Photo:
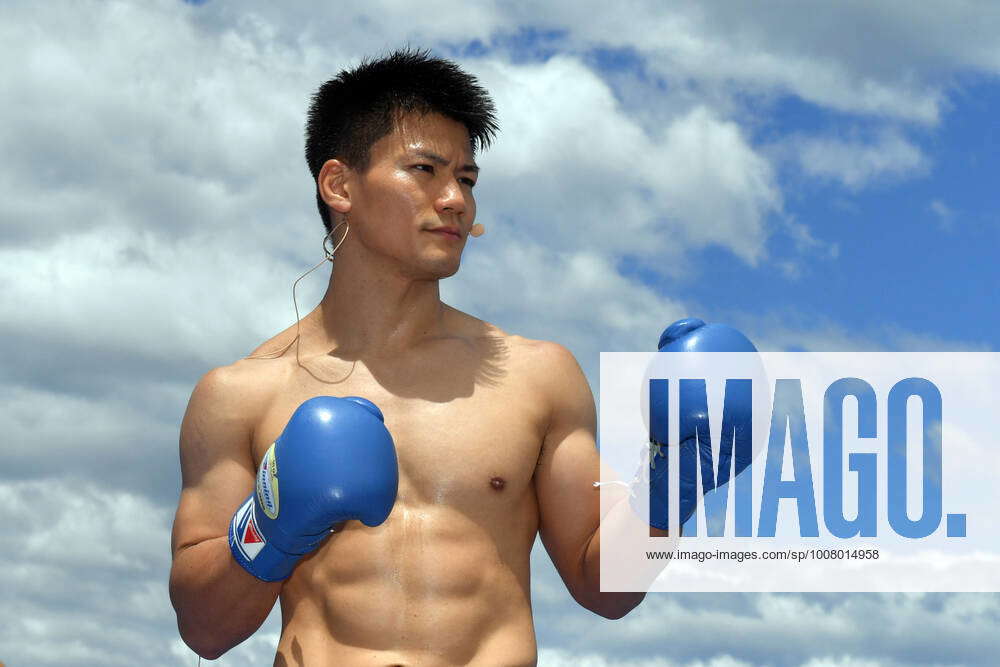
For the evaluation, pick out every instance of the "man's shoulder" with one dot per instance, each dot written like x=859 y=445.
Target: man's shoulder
x=544 y=356
x=244 y=386
x=540 y=355
x=551 y=368
x=554 y=377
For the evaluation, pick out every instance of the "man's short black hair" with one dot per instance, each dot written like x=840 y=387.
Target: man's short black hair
x=352 y=111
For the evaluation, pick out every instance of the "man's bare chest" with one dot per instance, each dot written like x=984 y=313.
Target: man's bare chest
x=457 y=439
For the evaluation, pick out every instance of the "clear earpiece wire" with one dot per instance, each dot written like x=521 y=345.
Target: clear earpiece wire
x=329 y=250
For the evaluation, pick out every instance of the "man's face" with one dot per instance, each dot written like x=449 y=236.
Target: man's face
x=413 y=206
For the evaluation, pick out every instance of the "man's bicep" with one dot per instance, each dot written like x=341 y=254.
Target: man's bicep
x=217 y=468
x=569 y=507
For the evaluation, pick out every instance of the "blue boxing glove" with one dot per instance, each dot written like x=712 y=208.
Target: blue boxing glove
x=334 y=461
x=693 y=335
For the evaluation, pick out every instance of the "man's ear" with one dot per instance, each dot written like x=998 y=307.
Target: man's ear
x=333 y=186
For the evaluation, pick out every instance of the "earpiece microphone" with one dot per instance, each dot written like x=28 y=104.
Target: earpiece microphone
x=477 y=230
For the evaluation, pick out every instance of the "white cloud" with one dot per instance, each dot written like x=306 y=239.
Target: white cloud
x=695 y=182
x=944 y=214
x=84 y=565
x=786 y=629
x=576 y=297
x=85 y=571
x=124 y=290
x=890 y=60
x=843 y=661
x=857 y=163
x=893 y=59
x=779 y=330
x=565 y=658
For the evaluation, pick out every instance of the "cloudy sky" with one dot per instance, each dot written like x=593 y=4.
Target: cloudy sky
x=822 y=175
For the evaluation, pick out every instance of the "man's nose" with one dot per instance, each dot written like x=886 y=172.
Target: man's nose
x=452 y=199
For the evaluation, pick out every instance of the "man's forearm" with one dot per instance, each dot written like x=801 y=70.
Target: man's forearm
x=608 y=605
x=619 y=526
x=218 y=603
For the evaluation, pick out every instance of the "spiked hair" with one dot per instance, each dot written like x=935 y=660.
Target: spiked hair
x=352 y=111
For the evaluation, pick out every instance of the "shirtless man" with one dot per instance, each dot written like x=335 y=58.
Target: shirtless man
x=494 y=433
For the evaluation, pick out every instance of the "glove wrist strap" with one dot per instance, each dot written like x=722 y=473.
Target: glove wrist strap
x=252 y=550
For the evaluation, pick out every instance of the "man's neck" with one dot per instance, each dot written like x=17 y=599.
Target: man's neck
x=369 y=310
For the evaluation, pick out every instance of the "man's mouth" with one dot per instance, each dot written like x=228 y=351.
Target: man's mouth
x=447 y=232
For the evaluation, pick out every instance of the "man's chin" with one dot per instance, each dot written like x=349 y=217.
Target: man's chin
x=439 y=270
x=449 y=271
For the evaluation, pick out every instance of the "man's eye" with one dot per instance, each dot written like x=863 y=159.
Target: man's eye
x=467 y=181
x=425 y=167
